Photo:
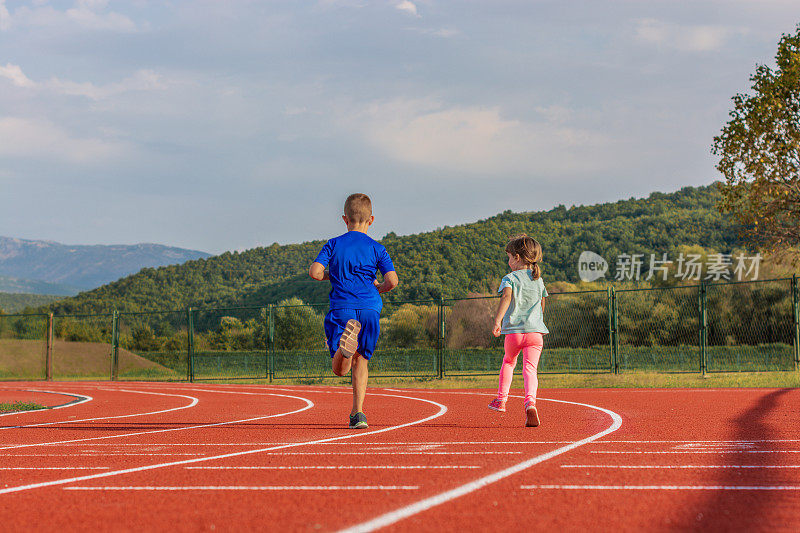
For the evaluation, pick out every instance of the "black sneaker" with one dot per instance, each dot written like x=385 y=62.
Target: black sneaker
x=358 y=421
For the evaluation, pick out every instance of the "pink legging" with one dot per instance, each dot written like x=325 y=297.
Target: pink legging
x=531 y=346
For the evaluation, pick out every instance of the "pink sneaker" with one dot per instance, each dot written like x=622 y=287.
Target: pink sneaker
x=531 y=415
x=497 y=405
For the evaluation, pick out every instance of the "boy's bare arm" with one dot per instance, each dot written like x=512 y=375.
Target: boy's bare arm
x=390 y=281
x=317 y=271
x=543 y=299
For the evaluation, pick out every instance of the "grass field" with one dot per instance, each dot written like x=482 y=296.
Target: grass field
x=477 y=368
x=15 y=407
x=25 y=359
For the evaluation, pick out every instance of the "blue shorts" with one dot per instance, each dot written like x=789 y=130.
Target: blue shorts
x=336 y=320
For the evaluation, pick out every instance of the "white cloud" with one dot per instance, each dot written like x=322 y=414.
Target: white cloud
x=696 y=38
x=440 y=32
x=408 y=7
x=85 y=14
x=141 y=80
x=5 y=17
x=477 y=139
x=15 y=74
x=43 y=140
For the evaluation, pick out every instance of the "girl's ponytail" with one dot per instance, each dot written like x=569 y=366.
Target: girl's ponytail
x=528 y=250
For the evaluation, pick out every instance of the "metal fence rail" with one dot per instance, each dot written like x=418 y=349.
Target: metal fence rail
x=709 y=327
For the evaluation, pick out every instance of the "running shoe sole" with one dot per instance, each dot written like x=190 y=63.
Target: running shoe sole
x=348 y=343
x=531 y=417
x=498 y=409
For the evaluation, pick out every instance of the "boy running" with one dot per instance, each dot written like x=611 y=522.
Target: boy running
x=353 y=323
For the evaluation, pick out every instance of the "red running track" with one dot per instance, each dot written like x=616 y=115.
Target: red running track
x=189 y=457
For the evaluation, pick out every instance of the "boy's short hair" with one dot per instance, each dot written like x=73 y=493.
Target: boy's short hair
x=358 y=207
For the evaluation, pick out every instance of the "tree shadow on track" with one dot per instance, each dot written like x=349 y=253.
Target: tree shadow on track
x=744 y=509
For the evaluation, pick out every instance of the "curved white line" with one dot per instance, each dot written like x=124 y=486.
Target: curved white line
x=191 y=404
x=83 y=399
x=423 y=505
x=309 y=405
x=442 y=410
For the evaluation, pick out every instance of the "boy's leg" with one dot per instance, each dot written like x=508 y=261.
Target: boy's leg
x=341 y=364
x=347 y=342
x=359 y=377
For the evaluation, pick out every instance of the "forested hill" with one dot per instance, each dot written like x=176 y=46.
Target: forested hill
x=451 y=261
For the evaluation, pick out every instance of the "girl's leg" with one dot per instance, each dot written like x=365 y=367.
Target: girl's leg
x=512 y=346
x=531 y=351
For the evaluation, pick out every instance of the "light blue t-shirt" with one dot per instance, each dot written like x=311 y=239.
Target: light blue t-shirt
x=524 y=314
x=352 y=260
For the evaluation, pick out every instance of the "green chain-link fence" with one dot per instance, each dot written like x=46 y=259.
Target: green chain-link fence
x=24 y=346
x=150 y=346
x=710 y=327
x=82 y=346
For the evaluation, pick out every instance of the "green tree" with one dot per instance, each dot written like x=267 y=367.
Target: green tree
x=759 y=150
x=297 y=326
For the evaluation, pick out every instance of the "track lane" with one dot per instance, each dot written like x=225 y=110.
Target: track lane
x=317 y=507
x=719 y=423
x=256 y=491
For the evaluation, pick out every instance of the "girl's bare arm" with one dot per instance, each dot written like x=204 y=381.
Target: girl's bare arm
x=505 y=301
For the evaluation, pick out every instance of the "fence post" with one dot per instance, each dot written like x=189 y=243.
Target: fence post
x=615 y=329
x=440 y=355
x=49 y=352
x=610 y=308
x=114 y=345
x=796 y=314
x=190 y=344
x=702 y=305
x=270 y=340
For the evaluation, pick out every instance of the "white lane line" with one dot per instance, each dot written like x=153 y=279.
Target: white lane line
x=446 y=443
x=339 y=467
x=423 y=505
x=684 y=452
x=753 y=441
x=261 y=487
x=680 y=466
x=54 y=467
x=662 y=487
x=80 y=399
x=442 y=411
x=420 y=452
x=121 y=435
x=320 y=444
x=191 y=404
x=88 y=454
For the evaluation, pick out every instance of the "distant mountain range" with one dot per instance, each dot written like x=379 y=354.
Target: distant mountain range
x=13 y=285
x=46 y=267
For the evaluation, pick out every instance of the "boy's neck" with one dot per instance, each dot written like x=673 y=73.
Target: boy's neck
x=363 y=227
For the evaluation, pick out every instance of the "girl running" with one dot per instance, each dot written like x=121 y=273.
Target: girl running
x=519 y=317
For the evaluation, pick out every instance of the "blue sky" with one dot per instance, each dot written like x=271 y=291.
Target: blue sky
x=227 y=125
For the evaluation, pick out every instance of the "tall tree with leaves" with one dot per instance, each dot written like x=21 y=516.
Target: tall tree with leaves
x=759 y=150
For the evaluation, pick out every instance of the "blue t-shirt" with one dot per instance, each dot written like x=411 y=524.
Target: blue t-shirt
x=353 y=260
